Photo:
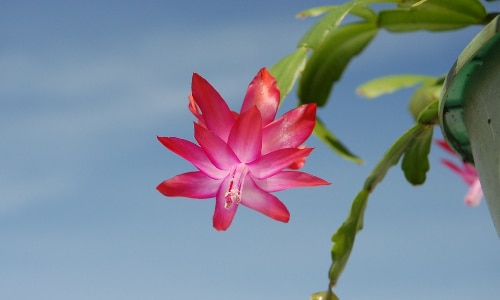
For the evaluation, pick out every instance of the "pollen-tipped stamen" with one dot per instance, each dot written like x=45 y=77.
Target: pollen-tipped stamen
x=233 y=194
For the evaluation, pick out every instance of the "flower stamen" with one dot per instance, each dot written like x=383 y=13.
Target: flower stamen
x=233 y=194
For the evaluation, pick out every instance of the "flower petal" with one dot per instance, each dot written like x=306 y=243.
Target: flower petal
x=290 y=130
x=274 y=162
x=195 y=110
x=257 y=199
x=451 y=165
x=192 y=153
x=216 y=114
x=475 y=194
x=289 y=179
x=444 y=145
x=264 y=94
x=468 y=174
x=217 y=151
x=191 y=185
x=299 y=163
x=246 y=136
x=470 y=171
x=223 y=217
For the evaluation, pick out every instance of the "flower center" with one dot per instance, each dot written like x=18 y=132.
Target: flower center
x=233 y=194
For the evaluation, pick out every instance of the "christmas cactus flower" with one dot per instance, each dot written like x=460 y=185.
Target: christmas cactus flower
x=467 y=172
x=242 y=157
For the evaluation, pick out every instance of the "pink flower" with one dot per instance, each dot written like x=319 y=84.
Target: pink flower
x=467 y=172
x=241 y=157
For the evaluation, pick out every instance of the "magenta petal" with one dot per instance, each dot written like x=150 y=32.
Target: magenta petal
x=290 y=130
x=191 y=185
x=215 y=148
x=192 y=153
x=264 y=94
x=452 y=166
x=289 y=179
x=255 y=198
x=223 y=217
x=444 y=145
x=468 y=173
x=475 y=194
x=195 y=110
x=246 y=136
x=216 y=114
x=274 y=162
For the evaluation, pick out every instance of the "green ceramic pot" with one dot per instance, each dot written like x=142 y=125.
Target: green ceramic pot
x=470 y=111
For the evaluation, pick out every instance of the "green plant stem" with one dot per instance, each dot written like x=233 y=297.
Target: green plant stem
x=344 y=237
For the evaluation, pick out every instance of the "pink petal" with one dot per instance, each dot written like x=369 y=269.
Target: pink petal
x=299 y=163
x=255 y=198
x=218 y=118
x=223 y=217
x=264 y=94
x=444 y=145
x=475 y=194
x=217 y=151
x=289 y=179
x=246 y=136
x=451 y=165
x=195 y=110
x=274 y=162
x=191 y=185
x=470 y=170
x=192 y=153
x=468 y=175
x=290 y=130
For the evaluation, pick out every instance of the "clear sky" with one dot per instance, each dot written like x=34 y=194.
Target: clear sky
x=85 y=88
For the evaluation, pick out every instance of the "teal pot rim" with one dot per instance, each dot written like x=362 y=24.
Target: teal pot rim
x=451 y=103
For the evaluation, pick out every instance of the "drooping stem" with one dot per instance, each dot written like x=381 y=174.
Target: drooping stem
x=344 y=237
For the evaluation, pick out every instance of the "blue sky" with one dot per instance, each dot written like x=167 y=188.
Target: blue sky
x=85 y=88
